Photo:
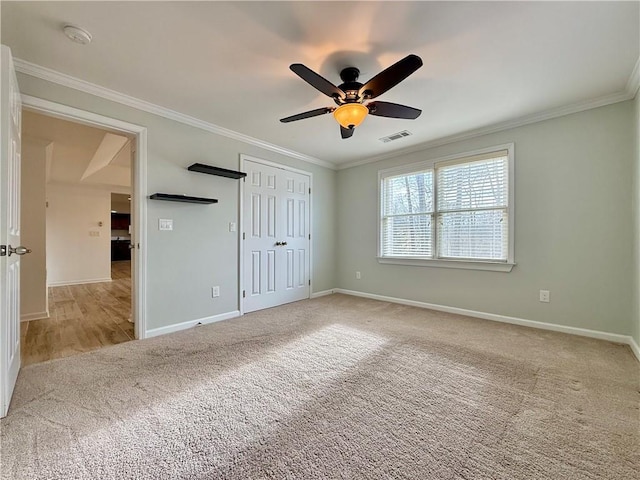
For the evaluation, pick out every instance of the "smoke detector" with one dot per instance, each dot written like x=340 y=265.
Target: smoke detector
x=77 y=34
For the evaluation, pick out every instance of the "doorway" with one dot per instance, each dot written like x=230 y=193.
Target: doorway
x=138 y=189
x=73 y=178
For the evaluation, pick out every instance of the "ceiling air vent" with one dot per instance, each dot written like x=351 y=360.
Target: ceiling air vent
x=395 y=136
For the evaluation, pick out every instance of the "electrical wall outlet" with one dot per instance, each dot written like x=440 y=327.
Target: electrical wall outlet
x=215 y=292
x=358 y=276
x=545 y=296
x=232 y=226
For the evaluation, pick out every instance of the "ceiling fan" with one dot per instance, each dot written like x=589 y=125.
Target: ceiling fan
x=351 y=95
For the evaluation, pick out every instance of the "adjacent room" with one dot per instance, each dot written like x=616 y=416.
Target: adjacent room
x=75 y=294
x=314 y=239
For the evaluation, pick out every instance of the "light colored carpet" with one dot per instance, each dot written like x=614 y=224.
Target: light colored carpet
x=336 y=387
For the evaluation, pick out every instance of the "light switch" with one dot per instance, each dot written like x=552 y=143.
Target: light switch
x=232 y=226
x=94 y=233
x=165 y=224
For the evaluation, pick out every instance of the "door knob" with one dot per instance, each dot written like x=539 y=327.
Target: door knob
x=18 y=250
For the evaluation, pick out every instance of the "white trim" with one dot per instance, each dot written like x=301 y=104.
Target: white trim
x=433 y=165
x=62 y=283
x=269 y=163
x=154 y=332
x=139 y=190
x=241 y=232
x=27 y=317
x=583 y=332
x=68 y=81
x=250 y=158
x=634 y=347
x=497 y=127
x=634 y=80
x=441 y=263
x=323 y=293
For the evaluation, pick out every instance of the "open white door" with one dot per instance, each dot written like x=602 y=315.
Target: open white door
x=10 y=251
x=276 y=236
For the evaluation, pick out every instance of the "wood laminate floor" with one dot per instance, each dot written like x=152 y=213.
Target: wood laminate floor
x=81 y=318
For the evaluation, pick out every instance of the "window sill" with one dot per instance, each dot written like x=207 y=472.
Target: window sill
x=463 y=264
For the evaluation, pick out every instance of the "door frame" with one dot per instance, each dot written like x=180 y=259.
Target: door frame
x=268 y=163
x=139 y=190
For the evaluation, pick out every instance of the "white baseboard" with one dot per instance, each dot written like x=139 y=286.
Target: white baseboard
x=62 y=283
x=322 y=293
x=26 y=317
x=634 y=348
x=584 y=332
x=154 y=332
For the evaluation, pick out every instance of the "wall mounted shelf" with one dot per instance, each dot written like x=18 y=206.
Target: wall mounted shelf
x=171 y=197
x=211 y=170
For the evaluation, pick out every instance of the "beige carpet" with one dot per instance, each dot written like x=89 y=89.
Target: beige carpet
x=337 y=387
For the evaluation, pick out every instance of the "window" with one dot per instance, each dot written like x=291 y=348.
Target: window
x=453 y=212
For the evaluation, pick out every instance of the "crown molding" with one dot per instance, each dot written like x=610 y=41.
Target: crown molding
x=53 y=76
x=498 y=127
x=31 y=69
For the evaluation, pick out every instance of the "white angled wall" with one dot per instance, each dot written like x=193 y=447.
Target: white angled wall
x=78 y=249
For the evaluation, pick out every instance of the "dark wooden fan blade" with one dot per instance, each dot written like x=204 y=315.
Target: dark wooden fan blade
x=393 y=110
x=316 y=81
x=346 y=132
x=309 y=114
x=390 y=77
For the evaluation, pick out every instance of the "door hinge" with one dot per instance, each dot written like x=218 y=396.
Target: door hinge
x=309 y=191
x=244 y=236
x=3 y=250
x=309 y=282
x=309 y=236
x=244 y=293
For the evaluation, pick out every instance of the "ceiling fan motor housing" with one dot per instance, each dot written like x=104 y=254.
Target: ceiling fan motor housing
x=350 y=87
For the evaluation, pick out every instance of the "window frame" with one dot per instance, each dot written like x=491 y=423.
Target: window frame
x=470 y=264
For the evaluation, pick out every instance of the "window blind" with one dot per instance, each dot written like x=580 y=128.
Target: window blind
x=407 y=215
x=472 y=209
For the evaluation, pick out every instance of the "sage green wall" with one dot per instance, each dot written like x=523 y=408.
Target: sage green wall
x=636 y=222
x=573 y=182
x=200 y=252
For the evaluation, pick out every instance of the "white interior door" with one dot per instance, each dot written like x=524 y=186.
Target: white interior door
x=276 y=236
x=10 y=249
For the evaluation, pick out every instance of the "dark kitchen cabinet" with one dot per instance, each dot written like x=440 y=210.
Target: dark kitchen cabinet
x=120 y=250
x=120 y=221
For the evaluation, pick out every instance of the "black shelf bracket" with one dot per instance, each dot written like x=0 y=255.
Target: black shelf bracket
x=211 y=170
x=172 y=197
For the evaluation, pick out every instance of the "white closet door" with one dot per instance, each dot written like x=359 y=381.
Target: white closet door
x=276 y=236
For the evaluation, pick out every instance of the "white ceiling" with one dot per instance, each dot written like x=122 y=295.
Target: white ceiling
x=78 y=153
x=226 y=63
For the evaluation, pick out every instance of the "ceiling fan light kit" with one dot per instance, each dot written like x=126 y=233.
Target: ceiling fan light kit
x=350 y=115
x=351 y=94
